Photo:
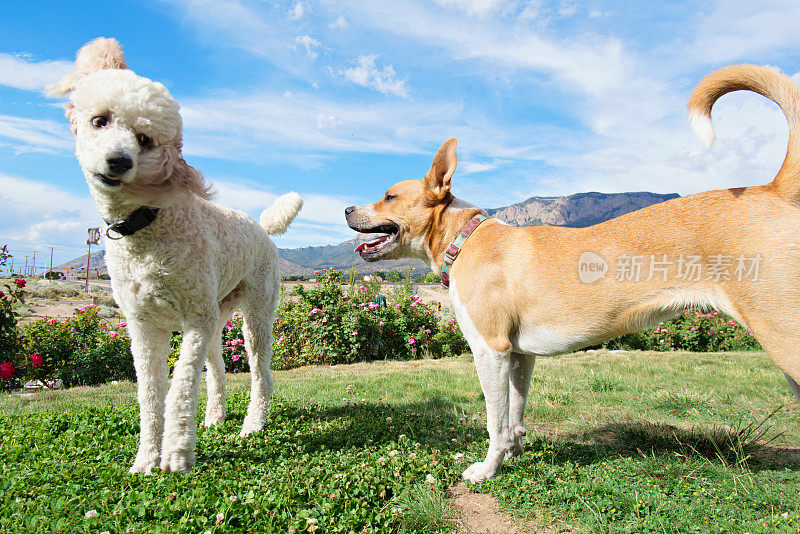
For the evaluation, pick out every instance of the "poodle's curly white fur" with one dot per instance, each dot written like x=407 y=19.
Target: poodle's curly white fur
x=187 y=270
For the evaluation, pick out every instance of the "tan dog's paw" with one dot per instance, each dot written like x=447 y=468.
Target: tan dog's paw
x=478 y=472
x=517 y=433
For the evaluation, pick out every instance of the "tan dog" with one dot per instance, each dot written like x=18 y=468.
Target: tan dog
x=522 y=292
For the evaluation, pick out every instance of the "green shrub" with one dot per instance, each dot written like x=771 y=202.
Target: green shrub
x=81 y=350
x=326 y=325
x=10 y=340
x=694 y=331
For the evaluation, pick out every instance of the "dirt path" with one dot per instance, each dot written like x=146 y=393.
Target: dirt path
x=480 y=513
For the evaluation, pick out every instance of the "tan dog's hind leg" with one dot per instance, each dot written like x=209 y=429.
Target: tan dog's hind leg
x=795 y=387
x=519 y=373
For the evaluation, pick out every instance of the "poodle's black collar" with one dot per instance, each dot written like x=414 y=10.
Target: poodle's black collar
x=137 y=220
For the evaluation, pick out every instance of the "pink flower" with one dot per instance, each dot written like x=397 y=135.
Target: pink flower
x=396 y=305
x=412 y=341
x=36 y=360
x=355 y=333
x=113 y=333
x=427 y=331
x=381 y=323
x=235 y=358
x=228 y=343
x=72 y=329
x=280 y=340
x=7 y=369
x=229 y=324
x=123 y=324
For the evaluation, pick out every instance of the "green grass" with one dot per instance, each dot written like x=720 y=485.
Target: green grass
x=637 y=442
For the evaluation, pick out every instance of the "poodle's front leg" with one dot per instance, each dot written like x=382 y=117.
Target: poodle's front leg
x=177 y=451
x=150 y=347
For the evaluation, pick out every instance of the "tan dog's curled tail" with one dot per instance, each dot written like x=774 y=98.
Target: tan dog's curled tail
x=277 y=218
x=765 y=81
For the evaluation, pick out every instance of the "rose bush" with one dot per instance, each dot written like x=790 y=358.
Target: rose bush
x=11 y=349
x=326 y=325
x=694 y=331
x=82 y=350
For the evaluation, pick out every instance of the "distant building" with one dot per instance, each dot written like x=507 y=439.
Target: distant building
x=373 y=278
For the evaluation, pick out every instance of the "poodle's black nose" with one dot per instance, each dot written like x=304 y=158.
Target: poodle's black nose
x=119 y=164
x=348 y=210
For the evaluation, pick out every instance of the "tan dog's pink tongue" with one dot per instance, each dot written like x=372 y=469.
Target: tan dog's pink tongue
x=372 y=243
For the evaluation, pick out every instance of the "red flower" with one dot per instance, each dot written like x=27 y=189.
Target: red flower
x=2 y=294
x=7 y=370
x=20 y=282
x=36 y=360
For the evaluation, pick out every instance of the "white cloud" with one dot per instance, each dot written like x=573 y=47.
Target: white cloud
x=474 y=167
x=297 y=11
x=480 y=8
x=740 y=29
x=364 y=72
x=320 y=222
x=25 y=135
x=339 y=24
x=310 y=44
x=22 y=73
x=37 y=214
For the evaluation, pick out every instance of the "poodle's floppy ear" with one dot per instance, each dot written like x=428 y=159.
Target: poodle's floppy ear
x=102 y=53
x=163 y=171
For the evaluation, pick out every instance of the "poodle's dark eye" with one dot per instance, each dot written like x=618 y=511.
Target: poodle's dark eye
x=143 y=140
x=389 y=197
x=99 y=121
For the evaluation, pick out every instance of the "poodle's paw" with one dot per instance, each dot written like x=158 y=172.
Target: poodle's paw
x=214 y=417
x=177 y=461
x=144 y=463
x=478 y=472
x=251 y=425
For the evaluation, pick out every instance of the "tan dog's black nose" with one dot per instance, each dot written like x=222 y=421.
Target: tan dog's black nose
x=348 y=210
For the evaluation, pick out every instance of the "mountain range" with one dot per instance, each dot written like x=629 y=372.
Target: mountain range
x=578 y=211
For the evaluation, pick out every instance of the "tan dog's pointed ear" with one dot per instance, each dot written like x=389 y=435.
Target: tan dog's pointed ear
x=438 y=178
x=102 y=53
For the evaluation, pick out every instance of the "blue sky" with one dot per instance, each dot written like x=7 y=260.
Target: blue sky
x=339 y=99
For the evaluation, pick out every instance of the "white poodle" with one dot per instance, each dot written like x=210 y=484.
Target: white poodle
x=176 y=260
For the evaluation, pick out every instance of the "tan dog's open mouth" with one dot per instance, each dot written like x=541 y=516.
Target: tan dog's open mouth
x=376 y=248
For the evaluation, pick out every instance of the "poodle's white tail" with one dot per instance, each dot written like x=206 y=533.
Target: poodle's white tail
x=277 y=218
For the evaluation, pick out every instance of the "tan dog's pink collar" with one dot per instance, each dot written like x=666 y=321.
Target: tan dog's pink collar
x=455 y=247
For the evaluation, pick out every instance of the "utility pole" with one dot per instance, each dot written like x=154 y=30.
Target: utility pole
x=33 y=264
x=25 y=272
x=93 y=239
x=51 y=265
